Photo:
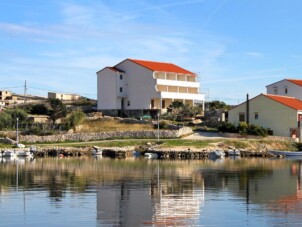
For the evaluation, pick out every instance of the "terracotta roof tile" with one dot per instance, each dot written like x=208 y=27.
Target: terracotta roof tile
x=287 y=101
x=294 y=81
x=161 y=66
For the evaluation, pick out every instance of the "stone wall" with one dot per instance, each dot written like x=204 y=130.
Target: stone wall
x=107 y=135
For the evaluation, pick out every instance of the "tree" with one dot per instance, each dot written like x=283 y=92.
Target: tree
x=216 y=104
x=39 y=109
x=176 y=105
x=8 y=118
x=75 y=118
x=5 y=120
x=58 y=109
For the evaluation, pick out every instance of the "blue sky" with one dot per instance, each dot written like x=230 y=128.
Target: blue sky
x=236 y=46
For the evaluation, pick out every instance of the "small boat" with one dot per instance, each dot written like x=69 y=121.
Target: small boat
x=151 y=155
x=9 y=153
x=24 y=153
x=97 y=151
x=233 y=152
x=136 y=154
x=286 y=153
x=216 y=154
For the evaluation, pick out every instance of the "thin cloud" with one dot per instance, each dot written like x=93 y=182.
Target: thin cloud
x=253 y=54
x=156 y=7
x=211 y=15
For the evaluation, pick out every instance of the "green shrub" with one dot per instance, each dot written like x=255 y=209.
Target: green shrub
x=227 y=127
x=75 y=118
x=243 y=128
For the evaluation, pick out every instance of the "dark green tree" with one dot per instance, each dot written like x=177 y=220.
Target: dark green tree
x=39 y=109
x=176 y=105
x=5 y=120
x=8 y=118
x=58 y=109
x=216 y=104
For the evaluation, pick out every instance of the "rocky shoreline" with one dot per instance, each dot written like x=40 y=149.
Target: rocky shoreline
x=162 y=153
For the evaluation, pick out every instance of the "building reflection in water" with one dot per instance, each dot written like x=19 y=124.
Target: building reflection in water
x=151 y=202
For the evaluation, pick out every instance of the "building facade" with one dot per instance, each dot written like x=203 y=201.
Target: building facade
x=145 y=85
x=286 y=87
x=281 y=114
x=63 y=97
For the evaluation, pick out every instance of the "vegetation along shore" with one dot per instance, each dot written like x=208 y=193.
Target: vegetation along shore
x=75 y=133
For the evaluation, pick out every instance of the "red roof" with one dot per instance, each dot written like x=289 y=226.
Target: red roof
x=287 y=101
x=298 y=82
x=161 y=66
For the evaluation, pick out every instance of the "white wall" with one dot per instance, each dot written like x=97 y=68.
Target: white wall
x=293 y=90
x=140 y=85
x=271 y=114
x=107 y=90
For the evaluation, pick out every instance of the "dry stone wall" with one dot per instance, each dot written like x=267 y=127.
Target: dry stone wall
x=107 y=135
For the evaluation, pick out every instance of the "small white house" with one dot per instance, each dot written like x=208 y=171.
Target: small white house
x=281 y=114
x=135 y=85
x=62 y=96
x=286 y=87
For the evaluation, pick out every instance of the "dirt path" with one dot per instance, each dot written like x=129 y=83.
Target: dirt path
x=204 y=136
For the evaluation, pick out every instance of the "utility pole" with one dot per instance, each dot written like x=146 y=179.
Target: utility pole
x=25 y=88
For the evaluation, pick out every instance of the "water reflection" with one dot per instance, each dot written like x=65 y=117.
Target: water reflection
x=140 y=192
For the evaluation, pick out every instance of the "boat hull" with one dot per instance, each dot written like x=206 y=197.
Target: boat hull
x=286 y=153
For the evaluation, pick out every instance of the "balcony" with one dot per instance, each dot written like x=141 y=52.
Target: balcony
x=177 y=83
x=184 y=96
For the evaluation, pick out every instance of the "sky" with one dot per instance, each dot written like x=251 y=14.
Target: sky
x=235 y=46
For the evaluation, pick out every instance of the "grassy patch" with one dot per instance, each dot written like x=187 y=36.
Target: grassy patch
x=188 y=143
x=5 y=145
x=106 y=125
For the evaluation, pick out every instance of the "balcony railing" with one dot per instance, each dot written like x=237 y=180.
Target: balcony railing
x=177 y=83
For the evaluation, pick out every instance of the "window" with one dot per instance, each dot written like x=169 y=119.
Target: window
x=121 y=89
x=241 y=117
x=285 y=90
x=256 y=116
x=128 y=103
x=276 y=90
x=152 y=103
x=121 y=76
x=163 y=104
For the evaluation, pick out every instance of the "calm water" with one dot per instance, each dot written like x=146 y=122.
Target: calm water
x=131 y=192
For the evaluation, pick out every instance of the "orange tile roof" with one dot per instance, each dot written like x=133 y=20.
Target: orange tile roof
x=294 y=81
x=161 y=66
x=287 y=101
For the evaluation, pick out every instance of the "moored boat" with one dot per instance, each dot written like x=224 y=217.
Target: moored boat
x=9 y=153
x=233 y=152
x=24 y=153
x=97 y=151
x=286 y=153
x=216 y=154
x=151 y=155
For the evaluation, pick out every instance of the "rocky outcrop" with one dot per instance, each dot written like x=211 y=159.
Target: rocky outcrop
x=108 y=135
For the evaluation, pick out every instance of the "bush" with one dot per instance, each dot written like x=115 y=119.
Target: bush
x=243 y=128
x=227 y=127
x=256 y=130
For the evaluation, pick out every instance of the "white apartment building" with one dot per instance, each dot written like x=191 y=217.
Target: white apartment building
x=145 y=85
x=286 y=87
